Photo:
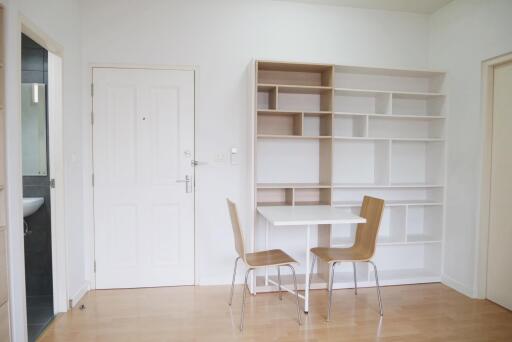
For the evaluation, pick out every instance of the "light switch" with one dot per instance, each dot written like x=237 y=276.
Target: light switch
x=234 y=156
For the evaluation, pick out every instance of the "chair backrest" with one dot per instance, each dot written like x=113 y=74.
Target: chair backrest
x=237 y=230
x=366 y=234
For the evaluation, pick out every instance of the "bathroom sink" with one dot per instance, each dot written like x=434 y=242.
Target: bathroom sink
x=31 y=205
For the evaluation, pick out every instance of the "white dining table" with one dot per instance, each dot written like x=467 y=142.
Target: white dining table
x=303 y=216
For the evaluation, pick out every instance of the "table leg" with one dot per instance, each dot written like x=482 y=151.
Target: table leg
x=306 y=289
x=267 y=229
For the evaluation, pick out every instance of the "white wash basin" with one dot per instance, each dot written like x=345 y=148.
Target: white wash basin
x=31 y=205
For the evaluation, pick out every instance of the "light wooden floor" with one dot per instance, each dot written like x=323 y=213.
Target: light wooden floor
x=431 y=312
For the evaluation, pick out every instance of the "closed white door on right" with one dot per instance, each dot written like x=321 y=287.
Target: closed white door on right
x=499 y=269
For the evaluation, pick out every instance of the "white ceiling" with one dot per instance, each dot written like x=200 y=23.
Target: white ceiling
x=415 y=6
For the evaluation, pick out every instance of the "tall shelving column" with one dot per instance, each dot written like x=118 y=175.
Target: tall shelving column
x=293 y=144
x=4 y=303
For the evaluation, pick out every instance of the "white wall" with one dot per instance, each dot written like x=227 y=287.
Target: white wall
x=462 y=35
x=58 y=20
x=221 y=38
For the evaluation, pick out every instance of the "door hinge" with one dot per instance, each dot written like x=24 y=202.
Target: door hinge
x=92 y=118
x=92 y=89
x=92 y=179
x=52 y=183
x=94 y=266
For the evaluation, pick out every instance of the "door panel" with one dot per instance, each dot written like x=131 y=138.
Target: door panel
x=143 y=145
x=499 y=274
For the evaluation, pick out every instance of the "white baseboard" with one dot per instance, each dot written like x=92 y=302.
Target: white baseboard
x=457 y=286
x=74 y=299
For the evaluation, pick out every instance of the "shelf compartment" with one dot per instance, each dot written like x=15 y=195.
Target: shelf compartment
x=359 y=101
x=317 y=125
x=267 y=98
x=396 y=203
x=424 y=223
x=408 y=263
x=350 y=125
x=359 y=162
x=295 y=74
x=305 y=99
x=418 y=104
x=292 y=160
x=392 y=227
x=403 y=128
x=417 y=162
x=389 y=79
x=312 y=196
x=389 y=195
x=274 y=196
x=279 y=123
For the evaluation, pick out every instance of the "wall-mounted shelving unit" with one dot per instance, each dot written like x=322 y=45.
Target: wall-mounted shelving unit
x=329 y=134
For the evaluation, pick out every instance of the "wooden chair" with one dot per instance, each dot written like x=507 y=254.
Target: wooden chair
x=274 y=257
x=362 y=250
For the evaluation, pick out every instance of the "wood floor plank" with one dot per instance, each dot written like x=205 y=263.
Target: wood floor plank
x=430 y=312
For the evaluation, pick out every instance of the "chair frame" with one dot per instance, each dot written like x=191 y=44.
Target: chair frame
x=240 y=247
x=333 y=263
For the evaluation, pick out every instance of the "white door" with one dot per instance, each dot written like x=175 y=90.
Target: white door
x=499 y=270
x=143 y=147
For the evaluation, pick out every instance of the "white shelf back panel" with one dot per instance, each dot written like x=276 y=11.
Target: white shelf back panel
x=418 y=105
x=349 y=126
x=387 y=127
x=360 y=162
x=402 y=257
x=417 y=162
x=287 y=161
x=302 y=102
x=354 y=102
x=390 y=194
x=424 y=223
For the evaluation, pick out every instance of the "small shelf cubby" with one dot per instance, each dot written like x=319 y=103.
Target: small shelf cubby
x=420 y=128
x=296 y=74
x=361 y=162
x=393 y=225
x=309 y=99
x=424 y=223
x=417 y=162
x=280 y=123
x=312 y=196
x=418 y=104
x=274 y=196
x=350 y=125
x=361 y=101
x=267 y=97
x=317 y=125
x=389 y=79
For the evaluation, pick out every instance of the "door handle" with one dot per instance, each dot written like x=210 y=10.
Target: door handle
x=188 y=183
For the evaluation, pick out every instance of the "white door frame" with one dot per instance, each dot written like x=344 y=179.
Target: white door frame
x=482 y=238
x=56 y=165
x=91 y=232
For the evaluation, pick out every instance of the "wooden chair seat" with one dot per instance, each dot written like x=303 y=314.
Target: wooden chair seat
x=340 y=254
x=273 y=257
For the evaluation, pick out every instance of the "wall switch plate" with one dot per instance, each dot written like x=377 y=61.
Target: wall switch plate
x=234 y=156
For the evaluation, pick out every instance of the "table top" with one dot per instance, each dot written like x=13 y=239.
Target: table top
x=287 y=215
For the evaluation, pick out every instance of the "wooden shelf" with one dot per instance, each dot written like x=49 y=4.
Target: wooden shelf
x=393 y=116
x=292 y=186
x=295 y=89
x=389 y=203
x=382 y=186
x=391 y=139
x=273 y=136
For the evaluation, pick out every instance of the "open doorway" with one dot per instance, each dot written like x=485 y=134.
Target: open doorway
x=36 y=187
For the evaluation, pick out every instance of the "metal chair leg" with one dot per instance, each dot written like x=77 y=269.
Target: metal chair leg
x=296 y=293
x=313 y=261
x=279 y=283
x=378 y=288
x=355 y=277
x=330 y=292
x=233 y=282
x=243 y=300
